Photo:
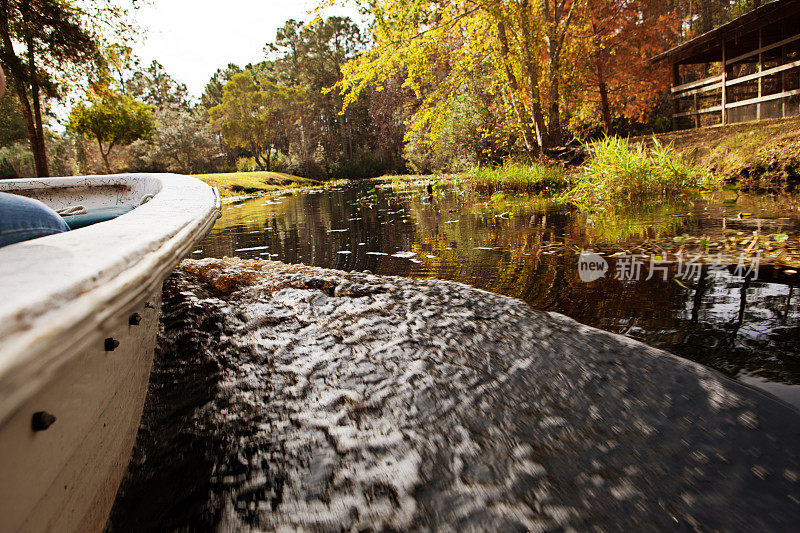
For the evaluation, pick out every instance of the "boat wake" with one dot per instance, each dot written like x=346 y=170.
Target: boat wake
x=329 y=400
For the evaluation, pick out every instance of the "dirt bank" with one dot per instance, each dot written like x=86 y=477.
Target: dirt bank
x=757 y=155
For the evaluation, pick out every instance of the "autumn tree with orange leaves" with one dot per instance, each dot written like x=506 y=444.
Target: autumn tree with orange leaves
x=530 y=68
x=625 y=34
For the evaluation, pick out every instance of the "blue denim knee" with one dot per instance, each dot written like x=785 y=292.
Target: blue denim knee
x=22 y=219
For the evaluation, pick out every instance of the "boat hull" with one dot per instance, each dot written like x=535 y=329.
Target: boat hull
x=77 y=334
x=65 y=478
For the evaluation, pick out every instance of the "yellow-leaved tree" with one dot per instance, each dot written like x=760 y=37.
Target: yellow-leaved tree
x=516 y=47
x=541 y=63
x=256 y=115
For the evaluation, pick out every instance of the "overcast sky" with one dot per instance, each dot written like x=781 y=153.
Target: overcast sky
x=193 y=38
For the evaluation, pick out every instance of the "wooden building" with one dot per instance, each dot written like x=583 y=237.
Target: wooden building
x=747 y=69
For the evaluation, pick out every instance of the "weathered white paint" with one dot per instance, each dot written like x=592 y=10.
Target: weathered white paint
x=62 y=296
x=65 y=478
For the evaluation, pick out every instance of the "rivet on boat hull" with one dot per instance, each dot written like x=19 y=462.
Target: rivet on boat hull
x=111 y=344
x=42 y=420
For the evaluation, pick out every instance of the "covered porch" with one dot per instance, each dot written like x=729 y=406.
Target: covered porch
x=748 y=69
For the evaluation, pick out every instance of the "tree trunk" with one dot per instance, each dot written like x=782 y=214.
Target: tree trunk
x=17 y=71
x=39 y=149
x=605 y=110
x=182 y=168
x=80 y=155
x=533 y=78
x=27 y=114
x=303 y=146
x=706 y=11
x=554 y=115
x=42 y=167
x=557 y=23
x=527 y=135
x=603 y=88
x=104 y=155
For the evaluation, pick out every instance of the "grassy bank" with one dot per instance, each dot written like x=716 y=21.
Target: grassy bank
x=244 y=183
x=618 y=169
x=754 y=156
x=533 y=178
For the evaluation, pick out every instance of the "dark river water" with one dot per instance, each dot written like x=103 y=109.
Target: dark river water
x=529 y=248
x=285 y=397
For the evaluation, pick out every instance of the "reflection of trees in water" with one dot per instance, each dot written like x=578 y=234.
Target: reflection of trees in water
x=741 y=327
x=726 y=324
x=302 y=228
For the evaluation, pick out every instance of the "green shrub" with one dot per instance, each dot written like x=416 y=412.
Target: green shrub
x=619 y=169
x=16 y=161
x=519 y=177
x=246 y=164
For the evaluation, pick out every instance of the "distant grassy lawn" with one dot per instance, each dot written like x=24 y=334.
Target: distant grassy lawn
x=239 y=183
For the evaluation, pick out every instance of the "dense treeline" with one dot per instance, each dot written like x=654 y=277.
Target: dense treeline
x=498 y=79
x=426 y=86
x=296 y=122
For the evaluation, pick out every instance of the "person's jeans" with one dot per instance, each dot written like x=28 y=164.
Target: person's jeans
x=22 y=219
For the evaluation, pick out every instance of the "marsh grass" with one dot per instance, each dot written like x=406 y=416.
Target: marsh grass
x=535 y=177
x=619 y=169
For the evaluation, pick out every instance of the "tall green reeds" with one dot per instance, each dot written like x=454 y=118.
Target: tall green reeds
x=619 y=169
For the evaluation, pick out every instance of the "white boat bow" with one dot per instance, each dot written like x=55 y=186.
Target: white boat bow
x=64 y=297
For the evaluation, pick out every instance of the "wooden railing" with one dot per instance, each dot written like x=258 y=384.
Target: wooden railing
x=697 y=89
